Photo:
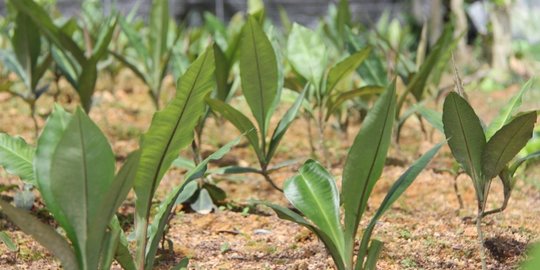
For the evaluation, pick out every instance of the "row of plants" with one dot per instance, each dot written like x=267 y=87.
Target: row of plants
x=326 y=73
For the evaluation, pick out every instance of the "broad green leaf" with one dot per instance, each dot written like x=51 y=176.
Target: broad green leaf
x=27 y=46
x=82 y=173
x=284 y=125
x=365 y=161
x=307 y=54
x=43 y=234
x=110 y=246
x=48 y=28
x=46 y=146
x=506 y=144
x=344 y=68
x=397 y=189
x=164 y=209
x=287 y=214
x=170 y=131
x=240 y=121
x=313 y=191
x=258 y=71
x=465 y=136
x=4 y=238
x=123 y=182
x=222 y=74
x=17 y=157
x=68 y=68
x=508 y=111
x=86 y=83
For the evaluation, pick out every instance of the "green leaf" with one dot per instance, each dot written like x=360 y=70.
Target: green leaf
x=258 y=71
x=46 y=146
x=372 y=256
x=466 y=138
x=105 y=36
x=27 y=46
x=287 y=214
x=307 y=54
x=313 y=191
x=43 y=234
x=284 y=125
x=157 y=39
x=164 y=209
x=86 y=83
x=48 y=28
x=365 y=161
x=240 y=121
x=434 y=63
x=82 y=173
x=397 y=189
x=10 y=62
x=222 y=74
x=17 y=157
x=433 y=117
x=122 y=255
x=4 y=238
x=344 y=68
x=170 y=131
x=334 y=104
x=506 y=144
x=508 y=111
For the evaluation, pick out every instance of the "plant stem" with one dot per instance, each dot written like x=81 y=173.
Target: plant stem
x=266 y=175
x=33 y=114
x=310 y=138
x=481 y=238
x=456 y=190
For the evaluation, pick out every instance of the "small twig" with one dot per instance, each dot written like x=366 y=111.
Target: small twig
x=456 y=190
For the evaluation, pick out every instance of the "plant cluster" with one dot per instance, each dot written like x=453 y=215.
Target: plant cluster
x=328 y=75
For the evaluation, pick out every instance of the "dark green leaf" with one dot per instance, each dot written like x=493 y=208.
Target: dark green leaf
x=43 y=234
x=466 y=138
x=258 y=71
x=344 y=68
x=365 y=160
x=506 y=144
x=4 y=238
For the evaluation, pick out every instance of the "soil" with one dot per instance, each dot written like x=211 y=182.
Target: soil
x=425 y=229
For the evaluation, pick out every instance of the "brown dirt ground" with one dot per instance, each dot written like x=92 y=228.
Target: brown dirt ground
x=423 y=230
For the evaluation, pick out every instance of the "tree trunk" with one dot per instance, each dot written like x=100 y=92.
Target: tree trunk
x=502 y=37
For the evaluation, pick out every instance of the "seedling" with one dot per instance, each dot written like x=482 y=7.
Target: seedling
x=25 y=61
x=153 y=55
x=484 y=155
x=78 y=65
x=261 y=85
x=314 y=193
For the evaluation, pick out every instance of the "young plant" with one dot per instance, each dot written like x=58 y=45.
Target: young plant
x=314 y=193
x=78 y=64
x=73 y=166
x=307 y=54
x=153 y=55
x=25 y=61
x=261 y=85
x=484 y=155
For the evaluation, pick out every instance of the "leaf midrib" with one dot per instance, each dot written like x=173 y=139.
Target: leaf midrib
x=462 y=129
